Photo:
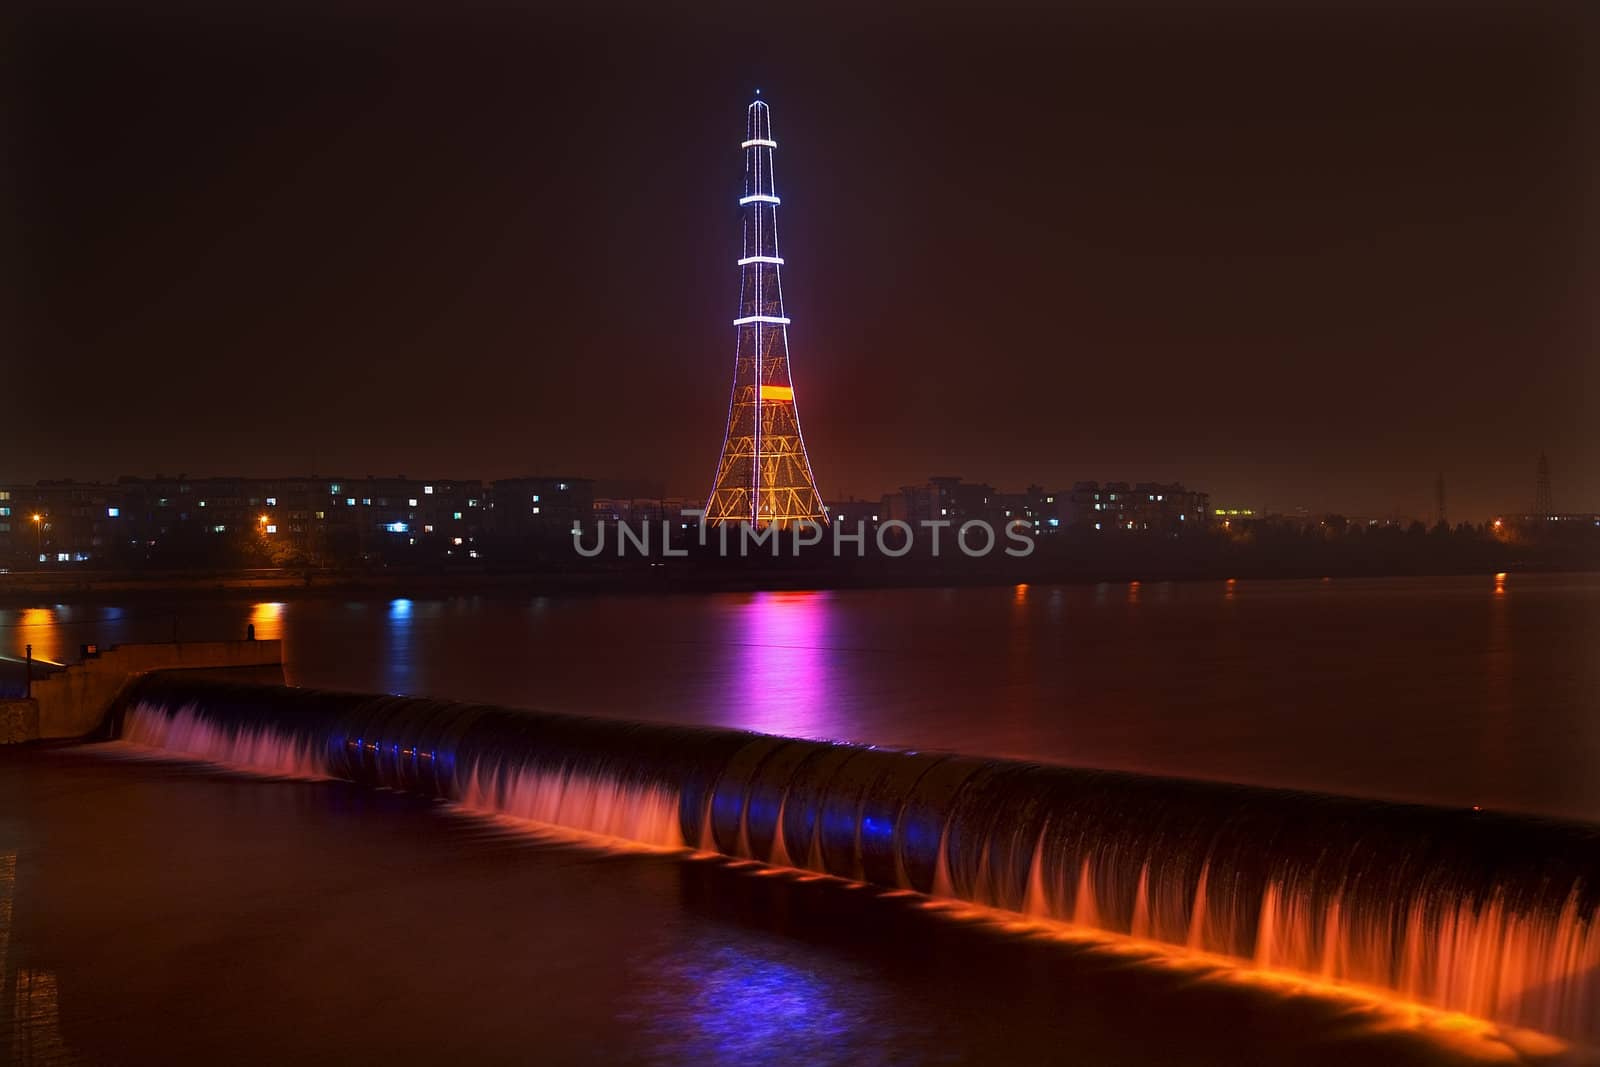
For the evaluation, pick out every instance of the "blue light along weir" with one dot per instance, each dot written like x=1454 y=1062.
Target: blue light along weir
x=1486 y=913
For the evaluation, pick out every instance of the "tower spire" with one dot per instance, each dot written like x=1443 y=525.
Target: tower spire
x=764 y=476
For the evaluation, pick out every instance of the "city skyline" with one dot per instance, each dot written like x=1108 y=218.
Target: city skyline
x=436 y=259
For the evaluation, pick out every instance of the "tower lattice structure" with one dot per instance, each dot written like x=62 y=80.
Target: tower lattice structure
x=764 y=476
x=1543 y=504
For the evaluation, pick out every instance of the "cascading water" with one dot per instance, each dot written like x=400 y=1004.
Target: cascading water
x=1490 y=914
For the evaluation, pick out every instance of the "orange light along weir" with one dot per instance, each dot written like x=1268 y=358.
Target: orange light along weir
x=1489 y=914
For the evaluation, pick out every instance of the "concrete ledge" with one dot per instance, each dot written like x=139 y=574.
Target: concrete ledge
x=19 y=721
x=74 y=703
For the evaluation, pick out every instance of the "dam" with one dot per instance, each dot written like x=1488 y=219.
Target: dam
x=1489 y=914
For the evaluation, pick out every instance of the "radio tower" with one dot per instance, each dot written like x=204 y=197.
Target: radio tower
x=763 y=477
x=1543 y=506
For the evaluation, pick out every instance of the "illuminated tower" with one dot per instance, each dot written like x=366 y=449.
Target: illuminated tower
x=1543 y=505
x=763 y=476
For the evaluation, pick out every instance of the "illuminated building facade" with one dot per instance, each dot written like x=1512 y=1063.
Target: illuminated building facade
x=1142 y=507
x=763 y=476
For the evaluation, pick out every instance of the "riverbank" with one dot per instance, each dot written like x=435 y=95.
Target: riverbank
x=29 y=588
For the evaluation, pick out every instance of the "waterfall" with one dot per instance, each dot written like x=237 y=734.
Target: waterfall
x=1490 y=914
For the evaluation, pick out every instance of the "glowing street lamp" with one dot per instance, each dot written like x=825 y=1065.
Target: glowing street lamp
x=38 y=529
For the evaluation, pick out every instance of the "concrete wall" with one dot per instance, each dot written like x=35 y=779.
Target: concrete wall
x=19 y=721
x=74 y=702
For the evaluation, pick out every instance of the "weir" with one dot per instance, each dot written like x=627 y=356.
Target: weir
x=1491 y=914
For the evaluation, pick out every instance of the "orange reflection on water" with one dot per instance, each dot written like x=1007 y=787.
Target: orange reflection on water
x=267 y=618
x=33 y=1007
x=1500 y=584
x=39 y=627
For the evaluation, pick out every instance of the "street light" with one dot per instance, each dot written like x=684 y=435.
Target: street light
x=38 y=529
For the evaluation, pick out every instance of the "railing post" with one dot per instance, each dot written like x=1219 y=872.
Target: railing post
x=27 y=685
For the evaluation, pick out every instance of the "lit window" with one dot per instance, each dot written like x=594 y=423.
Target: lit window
x=427 y=490
x=349 y=501
x=271 y=528
x=272 y=501
x=457 y=515
x=395 y=527
x=427 y=529
x=472 y=503
x=456 y=541
x=63 y=557
x=218 y=529
x=5 y=511
x=322 y=514
x=412 y=502
x=536 y=511
x=366 y=501
x=536 y=498
x=202 y=503
x=112 y=513
x=562 y=486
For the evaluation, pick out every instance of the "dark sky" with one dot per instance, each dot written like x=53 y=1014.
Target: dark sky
x=1295 y=255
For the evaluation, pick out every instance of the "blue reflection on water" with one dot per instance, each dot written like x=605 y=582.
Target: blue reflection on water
x=729 y=1004
x=399 y=675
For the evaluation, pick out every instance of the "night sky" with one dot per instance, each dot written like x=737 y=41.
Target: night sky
x=1293 y=255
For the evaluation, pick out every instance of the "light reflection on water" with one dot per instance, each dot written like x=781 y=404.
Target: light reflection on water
x=401 y=672
x=267 y=618
x=760 y=1002
x=782 y=658
x=30 y=1029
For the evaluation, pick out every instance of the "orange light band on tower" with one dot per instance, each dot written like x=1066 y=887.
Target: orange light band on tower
x=777 y=392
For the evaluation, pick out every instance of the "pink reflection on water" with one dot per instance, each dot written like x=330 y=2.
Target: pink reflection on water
x=783 y=662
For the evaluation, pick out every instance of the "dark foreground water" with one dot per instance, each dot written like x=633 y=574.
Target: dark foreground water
x=159 y=911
